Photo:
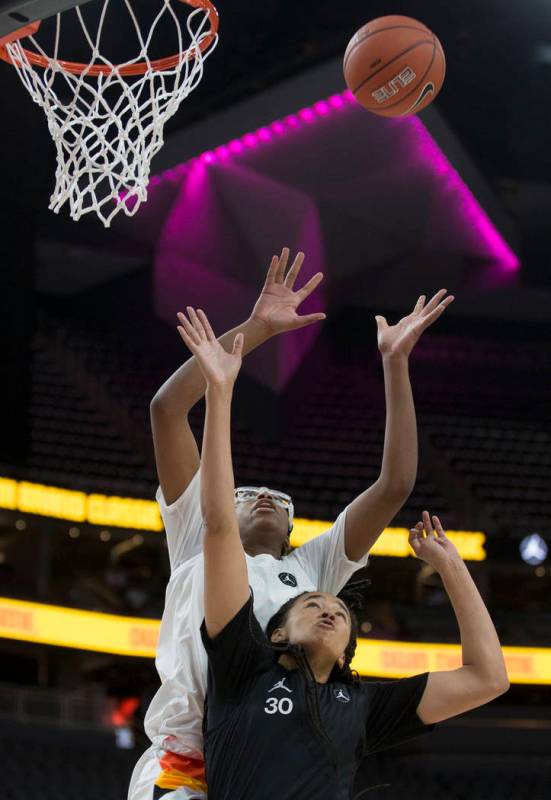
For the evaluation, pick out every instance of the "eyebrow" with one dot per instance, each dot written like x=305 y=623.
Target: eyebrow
x=320 y=597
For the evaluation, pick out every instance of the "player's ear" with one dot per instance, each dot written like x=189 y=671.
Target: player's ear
x=279 y=635
x=341 y=661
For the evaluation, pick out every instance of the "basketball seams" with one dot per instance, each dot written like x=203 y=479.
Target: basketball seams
x=423 y=76
x=405 y=97
x=399 y=55
x=442 y=55
x=374 y=33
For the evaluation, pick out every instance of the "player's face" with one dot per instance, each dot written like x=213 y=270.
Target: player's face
x=263 y=518
x=319 y=622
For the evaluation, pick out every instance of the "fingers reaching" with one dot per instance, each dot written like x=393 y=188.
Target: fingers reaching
x=188 y=329
x=433 y=302
x=206 y=324
x=219 y=367
x=309 y=287
x=196 y=322
x=295 y=269
x=429 y=541
x=195 y=328
x=427 y=523
x=272 y=270
x=309 y=319
x=282 y=265
x=432 y=525
x=440 y=533
x=186 y=338
x=416 y=537
x=278 y=266
x=437 y=310
x=420 y=304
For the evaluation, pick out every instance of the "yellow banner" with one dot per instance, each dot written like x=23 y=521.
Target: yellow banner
x=83 y=630
x=132 y=513
x=394 y=541
x=132 y=636
x=96 y=509
x=389 y=659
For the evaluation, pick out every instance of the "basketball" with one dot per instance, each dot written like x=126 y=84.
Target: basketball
x=394 y=66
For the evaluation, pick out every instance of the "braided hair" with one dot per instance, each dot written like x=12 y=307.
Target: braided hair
x=353 y=598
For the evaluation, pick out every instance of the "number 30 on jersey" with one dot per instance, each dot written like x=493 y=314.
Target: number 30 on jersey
x=278 y=705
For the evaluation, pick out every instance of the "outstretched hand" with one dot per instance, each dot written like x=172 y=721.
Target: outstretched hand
x=218 y=366
x=431 y=543
x=276 y=308
x=400 y=339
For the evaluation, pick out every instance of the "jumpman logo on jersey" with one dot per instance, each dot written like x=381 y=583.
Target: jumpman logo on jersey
x=280 y=685
x=341 y=695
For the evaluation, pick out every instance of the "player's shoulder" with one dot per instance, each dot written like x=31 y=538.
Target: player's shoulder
x=322 y=535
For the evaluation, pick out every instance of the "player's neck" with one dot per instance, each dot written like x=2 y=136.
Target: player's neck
x=263 y=549
x=319 y=666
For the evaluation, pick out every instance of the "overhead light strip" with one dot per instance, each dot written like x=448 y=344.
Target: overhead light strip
x=322 y=112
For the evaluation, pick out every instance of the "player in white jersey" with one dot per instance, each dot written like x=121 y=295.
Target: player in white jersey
x=172 y=768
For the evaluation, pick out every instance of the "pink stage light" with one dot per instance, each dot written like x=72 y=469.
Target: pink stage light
x=478 y=218
x=321 y=108
x=336 y=101
x=250 y=140
x=307 y=115
x=426 y=147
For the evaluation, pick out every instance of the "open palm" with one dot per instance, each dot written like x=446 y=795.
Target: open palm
x=218 y=366
x=400 y=339
x=276 y=308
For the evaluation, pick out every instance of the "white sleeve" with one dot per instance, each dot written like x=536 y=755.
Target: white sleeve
x=324 y=558
x=183 y=522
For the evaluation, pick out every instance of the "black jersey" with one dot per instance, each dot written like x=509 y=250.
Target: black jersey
x=259 y=741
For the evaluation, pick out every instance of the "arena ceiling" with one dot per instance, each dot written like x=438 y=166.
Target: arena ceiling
x=495 y=100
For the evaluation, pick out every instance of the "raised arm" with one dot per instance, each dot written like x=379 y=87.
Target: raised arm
x=370 y=513
x=483 y=675
x=226 y=581
x=176 y=452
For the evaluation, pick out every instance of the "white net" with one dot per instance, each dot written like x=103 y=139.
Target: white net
x=107 y=127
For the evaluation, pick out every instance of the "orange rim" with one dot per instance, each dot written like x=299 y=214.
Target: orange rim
x=141 y=67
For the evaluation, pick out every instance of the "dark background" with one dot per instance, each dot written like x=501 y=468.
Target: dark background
x=481 y=385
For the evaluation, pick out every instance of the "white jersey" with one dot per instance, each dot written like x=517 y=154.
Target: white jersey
x=175 y=716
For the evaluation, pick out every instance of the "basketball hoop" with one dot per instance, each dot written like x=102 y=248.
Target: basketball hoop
x=107 y=119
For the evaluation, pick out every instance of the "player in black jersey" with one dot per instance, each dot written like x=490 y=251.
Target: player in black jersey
x=286 y=719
